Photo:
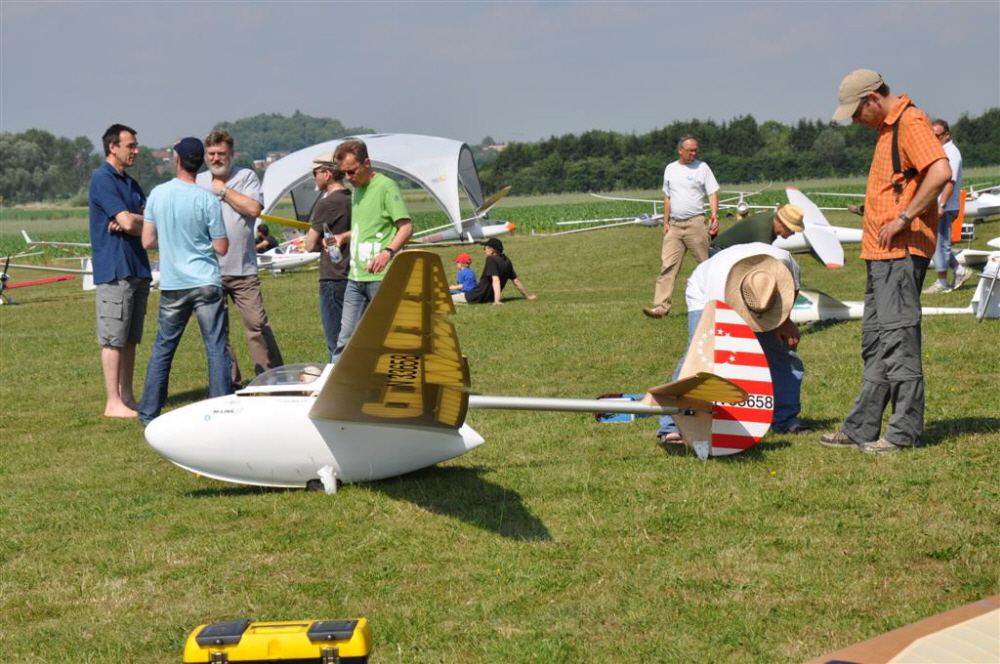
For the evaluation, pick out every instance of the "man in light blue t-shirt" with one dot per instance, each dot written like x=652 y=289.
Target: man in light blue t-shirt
x=185 y=222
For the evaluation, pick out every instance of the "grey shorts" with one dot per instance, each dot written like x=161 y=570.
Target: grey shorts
x=121 y=310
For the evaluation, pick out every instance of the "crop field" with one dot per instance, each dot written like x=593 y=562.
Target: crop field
x=558 y=540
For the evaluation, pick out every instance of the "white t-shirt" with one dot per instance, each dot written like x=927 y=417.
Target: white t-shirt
x=708 y=281
x=687 y=186
x=955 y=160
x=241 y=259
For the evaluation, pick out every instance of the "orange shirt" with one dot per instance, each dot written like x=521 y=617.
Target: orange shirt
x=918 y=148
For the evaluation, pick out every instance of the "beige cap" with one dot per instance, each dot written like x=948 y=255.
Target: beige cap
x=791 y=216
x=853 y=89
x=761 y=290
x=324 y=160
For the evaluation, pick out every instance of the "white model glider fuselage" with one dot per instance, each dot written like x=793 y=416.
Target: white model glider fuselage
x=253 y=438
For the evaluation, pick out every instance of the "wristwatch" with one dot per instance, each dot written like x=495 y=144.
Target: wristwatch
x=392 y=252
x=905 y=217
x=222 y=192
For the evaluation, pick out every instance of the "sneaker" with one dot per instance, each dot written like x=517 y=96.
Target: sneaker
x=838 y=439
x=936 y=287
x=962 y=275
x=879 y=446
x=655 y=312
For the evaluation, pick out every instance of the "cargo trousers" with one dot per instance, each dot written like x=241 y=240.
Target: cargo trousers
x=689 y=234
x=891 y=348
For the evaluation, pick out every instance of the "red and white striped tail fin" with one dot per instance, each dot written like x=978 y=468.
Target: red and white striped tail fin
x=725 y=345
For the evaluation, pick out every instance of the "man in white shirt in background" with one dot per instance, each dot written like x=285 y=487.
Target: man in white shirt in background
x=948 y=208
x=686 y=183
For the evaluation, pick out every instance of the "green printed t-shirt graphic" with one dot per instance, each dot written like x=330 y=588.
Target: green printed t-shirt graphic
x=375 y=209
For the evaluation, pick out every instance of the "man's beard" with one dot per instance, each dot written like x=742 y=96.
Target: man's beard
x=221 y=169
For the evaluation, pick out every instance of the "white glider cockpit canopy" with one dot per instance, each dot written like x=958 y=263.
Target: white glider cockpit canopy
x=441 y=166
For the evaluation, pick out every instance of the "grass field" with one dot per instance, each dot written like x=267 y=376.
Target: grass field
x=559 y=540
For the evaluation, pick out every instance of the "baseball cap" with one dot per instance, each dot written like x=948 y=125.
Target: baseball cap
x=853 y=89
x=463 y=258
x=494 y=244
x=324 y=160
x=190 y=147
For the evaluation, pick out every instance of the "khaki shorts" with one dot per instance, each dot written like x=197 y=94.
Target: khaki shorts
x=121 y=310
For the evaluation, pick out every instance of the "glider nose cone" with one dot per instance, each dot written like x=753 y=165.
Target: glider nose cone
x=165 y=435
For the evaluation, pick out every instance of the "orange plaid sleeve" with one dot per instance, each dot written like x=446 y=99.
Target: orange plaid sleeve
x=918 y=148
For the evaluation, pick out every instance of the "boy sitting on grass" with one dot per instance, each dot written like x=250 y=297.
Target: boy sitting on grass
x=466 y=279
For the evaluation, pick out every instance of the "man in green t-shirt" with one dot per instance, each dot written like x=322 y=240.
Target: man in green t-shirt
x=762 y=227
x=380 y=227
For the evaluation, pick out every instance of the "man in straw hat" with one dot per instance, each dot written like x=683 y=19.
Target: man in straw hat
x=909 y=169
x=759 y=282
x=762 y=227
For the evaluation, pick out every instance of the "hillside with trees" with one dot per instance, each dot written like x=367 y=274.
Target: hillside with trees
x=740 y=150
x=35 y=165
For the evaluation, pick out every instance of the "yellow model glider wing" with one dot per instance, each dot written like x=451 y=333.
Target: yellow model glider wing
x=301 y=225
x=403 y=365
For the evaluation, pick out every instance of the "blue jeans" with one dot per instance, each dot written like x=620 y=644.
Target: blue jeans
x=357 y=297
x=176 y=307
x=787 y=371
x=331 y=309
x=943 y=257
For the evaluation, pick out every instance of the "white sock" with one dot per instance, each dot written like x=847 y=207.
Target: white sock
x=943 y=282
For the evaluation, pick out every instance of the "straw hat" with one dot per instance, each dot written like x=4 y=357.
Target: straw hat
x=791 y=216
x=761 y=290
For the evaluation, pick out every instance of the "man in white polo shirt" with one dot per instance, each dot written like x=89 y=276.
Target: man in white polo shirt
x=686 y=183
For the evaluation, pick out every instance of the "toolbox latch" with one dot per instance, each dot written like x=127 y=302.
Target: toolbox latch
x=222 y=633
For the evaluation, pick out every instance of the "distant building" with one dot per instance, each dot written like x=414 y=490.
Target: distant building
x=498 y=147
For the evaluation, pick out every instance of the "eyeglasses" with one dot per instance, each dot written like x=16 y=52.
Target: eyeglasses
x=861 y=105
x=129 y=146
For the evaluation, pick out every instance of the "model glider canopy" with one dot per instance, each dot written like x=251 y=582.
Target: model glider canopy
x=439 y=165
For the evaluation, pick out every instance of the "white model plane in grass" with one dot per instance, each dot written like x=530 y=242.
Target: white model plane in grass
x=983 y=203
x=818 y=237
x=274 y=262
x=813 y=306
x=465 y=231
x=5 y=283
x=397 y=399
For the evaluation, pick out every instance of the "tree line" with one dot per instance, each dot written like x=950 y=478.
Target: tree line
x=35 y=165
x=740 y=150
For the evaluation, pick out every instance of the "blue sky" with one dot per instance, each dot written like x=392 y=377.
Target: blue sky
x=512 y=70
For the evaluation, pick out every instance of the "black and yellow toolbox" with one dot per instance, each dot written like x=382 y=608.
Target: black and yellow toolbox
x=298 y=641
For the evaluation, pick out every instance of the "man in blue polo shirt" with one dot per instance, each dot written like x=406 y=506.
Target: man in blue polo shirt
x=184 y=221
x=121 y=267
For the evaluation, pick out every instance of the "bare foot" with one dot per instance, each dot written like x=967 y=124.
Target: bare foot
x=121 y=411
x=532 y=298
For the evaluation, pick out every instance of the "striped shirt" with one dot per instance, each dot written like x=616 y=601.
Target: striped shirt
x=918 y=148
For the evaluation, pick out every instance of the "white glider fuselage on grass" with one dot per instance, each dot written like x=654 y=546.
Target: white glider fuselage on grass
x=397 y=399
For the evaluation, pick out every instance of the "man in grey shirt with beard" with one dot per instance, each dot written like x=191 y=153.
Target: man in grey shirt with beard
x=239 y=192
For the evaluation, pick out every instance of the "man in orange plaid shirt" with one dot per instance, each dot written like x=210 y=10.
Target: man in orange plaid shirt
x=909 y=169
